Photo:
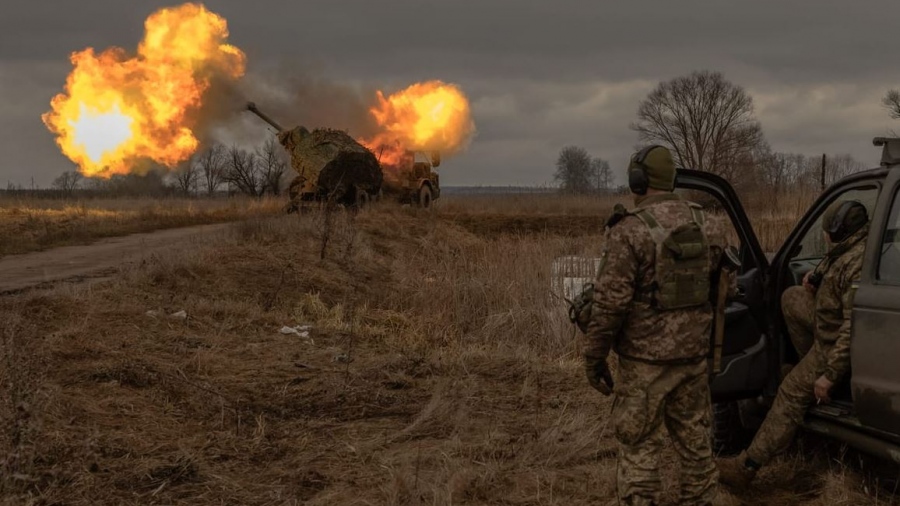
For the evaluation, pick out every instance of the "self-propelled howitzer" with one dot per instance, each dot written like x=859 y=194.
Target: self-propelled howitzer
x=330 y=165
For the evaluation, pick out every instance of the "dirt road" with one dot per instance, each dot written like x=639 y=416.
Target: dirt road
x=93 y=261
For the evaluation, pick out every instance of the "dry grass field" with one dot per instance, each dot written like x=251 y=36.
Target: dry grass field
x=33 y=224
x=439 y=369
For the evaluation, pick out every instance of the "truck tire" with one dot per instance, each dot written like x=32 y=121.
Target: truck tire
x=425 y=197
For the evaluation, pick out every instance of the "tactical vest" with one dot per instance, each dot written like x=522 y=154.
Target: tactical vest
x=682 y=262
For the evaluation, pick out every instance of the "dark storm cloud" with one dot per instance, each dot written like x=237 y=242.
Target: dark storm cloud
x=540 y=74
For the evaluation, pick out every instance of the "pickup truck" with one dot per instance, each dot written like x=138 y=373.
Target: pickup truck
x=865 y=408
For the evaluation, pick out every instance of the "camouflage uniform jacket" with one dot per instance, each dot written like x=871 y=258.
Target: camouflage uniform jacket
x=624 y=320
x=834 y=302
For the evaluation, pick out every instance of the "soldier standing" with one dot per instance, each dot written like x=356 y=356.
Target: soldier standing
x=652 y=305
x=818 y=318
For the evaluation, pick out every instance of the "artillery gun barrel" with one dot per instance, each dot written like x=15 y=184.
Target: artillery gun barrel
x=252 y=108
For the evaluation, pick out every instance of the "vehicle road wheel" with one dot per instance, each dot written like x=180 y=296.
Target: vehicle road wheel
x=425 y=197
x=362 y=199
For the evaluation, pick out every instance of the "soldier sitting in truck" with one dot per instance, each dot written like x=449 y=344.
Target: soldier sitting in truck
x=818 y=318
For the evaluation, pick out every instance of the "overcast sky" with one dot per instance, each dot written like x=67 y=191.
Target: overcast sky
x=539 y=74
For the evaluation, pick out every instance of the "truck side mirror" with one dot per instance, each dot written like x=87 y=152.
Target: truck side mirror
x=435 y=158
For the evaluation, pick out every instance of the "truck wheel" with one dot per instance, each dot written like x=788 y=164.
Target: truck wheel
x=425 y=197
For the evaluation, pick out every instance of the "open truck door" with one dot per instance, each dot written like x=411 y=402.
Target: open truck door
x=756 y=340
x=864 y=407
x=747 y=359
x=805 y=247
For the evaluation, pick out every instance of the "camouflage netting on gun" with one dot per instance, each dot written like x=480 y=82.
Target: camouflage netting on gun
x=350 y=169
x=331 y=158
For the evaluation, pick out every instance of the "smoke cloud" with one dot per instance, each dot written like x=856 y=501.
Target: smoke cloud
x=292 y=98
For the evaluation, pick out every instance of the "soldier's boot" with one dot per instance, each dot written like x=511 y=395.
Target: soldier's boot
x=737 y=472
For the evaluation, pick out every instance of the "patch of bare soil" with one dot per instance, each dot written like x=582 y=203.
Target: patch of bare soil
x=98 y=260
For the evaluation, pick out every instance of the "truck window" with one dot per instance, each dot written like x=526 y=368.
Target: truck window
x=813 y=243
x=889 y=263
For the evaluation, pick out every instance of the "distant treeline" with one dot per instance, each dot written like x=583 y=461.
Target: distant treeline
x=51 y=194
x=71 y=185
x=508 y=190
x=215 y=171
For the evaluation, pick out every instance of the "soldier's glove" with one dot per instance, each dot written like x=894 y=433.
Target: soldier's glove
x=598 y=375
x=580 y=308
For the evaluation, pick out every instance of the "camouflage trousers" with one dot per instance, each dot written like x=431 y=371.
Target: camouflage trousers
x=795 y=394
x=650 y=401
x=799 y=308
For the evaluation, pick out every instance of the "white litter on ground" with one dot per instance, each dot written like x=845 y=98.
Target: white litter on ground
x=181 y=315
x=301 y=331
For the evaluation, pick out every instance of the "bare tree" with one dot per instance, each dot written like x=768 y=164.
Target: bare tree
x=243 y=171
x=573 y=170
x=68 y=181
x=187 y=178
x=707 y=121
x=780 y=170
x=602 y=174
x=840 y=166
x=793 y=171
x=212 y=162
x=891 y=102
x=271 y=159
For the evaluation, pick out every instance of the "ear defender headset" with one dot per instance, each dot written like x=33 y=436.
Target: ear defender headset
x=638 y=179
x=843 y=225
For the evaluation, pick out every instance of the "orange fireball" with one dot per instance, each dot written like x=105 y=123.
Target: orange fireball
x=429 y=116
x=119 y=110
